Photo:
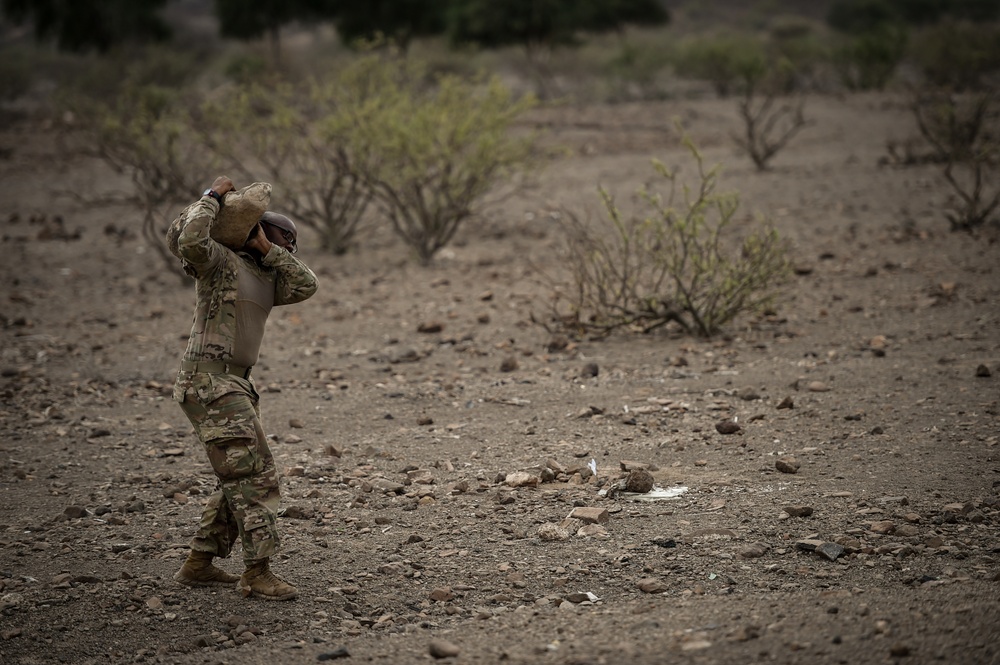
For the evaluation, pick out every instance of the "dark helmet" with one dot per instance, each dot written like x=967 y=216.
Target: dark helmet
x=280 y=221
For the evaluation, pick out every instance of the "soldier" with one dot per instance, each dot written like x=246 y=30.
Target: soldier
x=235 y=292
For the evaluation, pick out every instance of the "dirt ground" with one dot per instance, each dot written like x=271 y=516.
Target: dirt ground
x=400 y=401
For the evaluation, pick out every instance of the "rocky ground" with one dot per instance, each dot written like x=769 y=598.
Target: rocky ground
x=439 y=449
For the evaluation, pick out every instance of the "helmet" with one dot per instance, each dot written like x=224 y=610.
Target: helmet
x=279 y=220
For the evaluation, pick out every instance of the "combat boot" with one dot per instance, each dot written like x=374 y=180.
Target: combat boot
x=260 y=581
x=199 y=571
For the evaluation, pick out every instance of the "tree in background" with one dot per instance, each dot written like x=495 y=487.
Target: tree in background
x=253 y=19
x=82 y=25
x=542 y=25
x=394 y=21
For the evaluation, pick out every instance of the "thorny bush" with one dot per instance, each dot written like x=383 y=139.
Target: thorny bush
x=681 y=262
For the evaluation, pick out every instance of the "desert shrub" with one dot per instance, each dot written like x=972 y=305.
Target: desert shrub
x=964 y=131
x=725 y=60
x=680 y=261
x=770 y=118
x=959 y=56
x=867 y=61
x=145 y=134
x=862 y=16
x=272 y=133
x=428 y=153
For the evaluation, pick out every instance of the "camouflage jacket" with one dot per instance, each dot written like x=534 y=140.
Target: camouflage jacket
x=216 y=269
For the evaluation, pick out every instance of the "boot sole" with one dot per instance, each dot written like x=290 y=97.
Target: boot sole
x=200 y=583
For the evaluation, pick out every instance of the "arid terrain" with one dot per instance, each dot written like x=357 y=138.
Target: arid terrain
x=853 y=518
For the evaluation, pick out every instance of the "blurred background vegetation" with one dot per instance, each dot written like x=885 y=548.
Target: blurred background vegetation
x=406 y=112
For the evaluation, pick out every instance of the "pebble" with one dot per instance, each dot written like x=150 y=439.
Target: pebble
x=639 y=481
x=786 y=403
x=550 y=532
x=798 y=511
x=787 y=465
x=651 y=585
x=439 y=648
x=727 y=427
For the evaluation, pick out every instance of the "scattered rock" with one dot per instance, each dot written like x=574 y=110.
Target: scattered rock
x=651 y=585
x=727 y=427
x=590 y=515
x=589 y=371
x=983 y=372
x=509 y=364
x=787 y=465
x=639 y=481
x=439 y=648
x=430 y=327
x=550 y=532
x=786 y=403
x=521 y=479
x=339 y=652
x=798 y=511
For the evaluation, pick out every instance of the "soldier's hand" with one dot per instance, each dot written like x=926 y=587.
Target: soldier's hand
x=259 y=241
x=222 y=185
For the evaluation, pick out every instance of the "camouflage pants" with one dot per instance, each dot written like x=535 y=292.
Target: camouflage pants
x=245 y=503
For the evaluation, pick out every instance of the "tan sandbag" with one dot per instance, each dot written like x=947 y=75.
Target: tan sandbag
x=241 y=210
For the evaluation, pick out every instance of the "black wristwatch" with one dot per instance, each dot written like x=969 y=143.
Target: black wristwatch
x=214 y=194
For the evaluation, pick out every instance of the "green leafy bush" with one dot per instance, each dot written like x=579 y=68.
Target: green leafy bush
x=429 y=152
x=867 y=61
x=679 y=262
x=272 y=133
x=726 y=61
x=958 y=56
x=145 y=134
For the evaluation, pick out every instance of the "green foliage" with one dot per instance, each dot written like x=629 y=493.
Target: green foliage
x=679 y=262
x=964 y=131
x=958 y=56
x=84 y=25
x=428 y=154
x=727 y=61
x=860 y=16
x=144 y=133
x=270 y=133
x=868 y=60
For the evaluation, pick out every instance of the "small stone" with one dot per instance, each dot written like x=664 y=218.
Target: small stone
x=787 y=465
x=74 y=512
x=439 y=648
x=786 y=403
x=753 y=551
x=798 y=511
x=550 y=532
x=817 y=387
x=592 y=531
x=899 y=651
x=442 y=594
x=590 y=515
x=883 y=527
x=983 y=372
x=339 y=652
x=295 y=423
x=590 y=370
x=727 y=427
x=651 y=585
x=509 y=364
x=830 y=550
x=430 y=327
x=521 y=479
x=639 y=481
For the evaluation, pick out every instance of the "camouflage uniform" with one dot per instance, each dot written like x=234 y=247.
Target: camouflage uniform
x=219 y=398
